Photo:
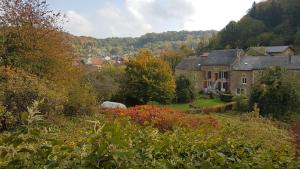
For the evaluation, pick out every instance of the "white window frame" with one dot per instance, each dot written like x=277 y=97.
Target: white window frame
x=244 y=79
x=222 y=75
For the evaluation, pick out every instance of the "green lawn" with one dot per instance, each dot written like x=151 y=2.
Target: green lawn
x=201 y=102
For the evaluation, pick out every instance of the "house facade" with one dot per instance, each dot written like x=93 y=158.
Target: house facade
x=230 y=71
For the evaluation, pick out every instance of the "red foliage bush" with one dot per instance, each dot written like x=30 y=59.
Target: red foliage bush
x=163 y=118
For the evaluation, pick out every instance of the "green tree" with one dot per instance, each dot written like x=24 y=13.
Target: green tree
x=249 y=29
x=184 y=90
x=270 y=22
x=147 y=79
x=275 y=93
x=229 y=35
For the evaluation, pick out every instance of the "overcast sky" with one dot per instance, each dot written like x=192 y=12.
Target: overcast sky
x=131 y=18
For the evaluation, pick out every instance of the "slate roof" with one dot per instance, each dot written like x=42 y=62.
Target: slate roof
x=276 y=49
x=269 y=49
x=215 y=58
x=190 y=63
x=262 y=62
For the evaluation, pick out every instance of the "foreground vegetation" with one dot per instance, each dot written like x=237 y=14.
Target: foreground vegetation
x=106 y=141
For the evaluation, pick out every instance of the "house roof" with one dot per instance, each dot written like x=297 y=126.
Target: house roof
x=190 y=63
x=215 y=58
x=96 y=61
x=277 y=49
x=268 y=49
x=262 y=62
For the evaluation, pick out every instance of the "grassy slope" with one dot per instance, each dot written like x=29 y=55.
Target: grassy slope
x=201 y=102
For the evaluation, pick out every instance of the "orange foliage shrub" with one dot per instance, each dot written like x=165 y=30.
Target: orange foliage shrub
x=163 y=118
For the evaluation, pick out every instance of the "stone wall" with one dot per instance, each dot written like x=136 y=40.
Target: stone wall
x=237 y=81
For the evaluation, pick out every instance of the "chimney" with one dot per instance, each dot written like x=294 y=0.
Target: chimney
x=239 y=55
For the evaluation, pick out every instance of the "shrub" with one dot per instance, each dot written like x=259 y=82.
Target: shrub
x=218 y=109
x=242 y=103
x=7 y=120
x=162 y=118
x=81 y=100
x=276 y=93
x=226 y=97
x=106 y=82
x=19 y=89
x=184 y=90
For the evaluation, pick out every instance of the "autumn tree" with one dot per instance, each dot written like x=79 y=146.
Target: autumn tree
x=147 y=79
x=173 y=57
x=31 y=38
x=31 y=41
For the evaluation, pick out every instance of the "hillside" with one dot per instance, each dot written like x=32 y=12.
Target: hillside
x=271 y=22
x=89 y=47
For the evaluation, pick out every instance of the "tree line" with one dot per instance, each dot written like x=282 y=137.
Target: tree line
x=271 y=22
x=86 y=47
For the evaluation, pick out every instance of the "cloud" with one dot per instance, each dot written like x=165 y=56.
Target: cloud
x=78 y=24
x=114 y=21
x=215 y=14
x=162 y=15
x=136 y=17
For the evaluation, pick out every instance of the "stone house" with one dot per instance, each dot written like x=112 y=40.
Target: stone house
x=245 y=72
x=231 y=70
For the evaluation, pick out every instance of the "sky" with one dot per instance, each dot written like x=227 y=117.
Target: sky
x=133 y=18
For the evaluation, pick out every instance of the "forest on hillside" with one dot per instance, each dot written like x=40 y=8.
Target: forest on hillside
x=271 y=22
x=86 y=47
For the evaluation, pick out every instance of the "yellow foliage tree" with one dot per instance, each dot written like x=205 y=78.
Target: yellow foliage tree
x=148 y=78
